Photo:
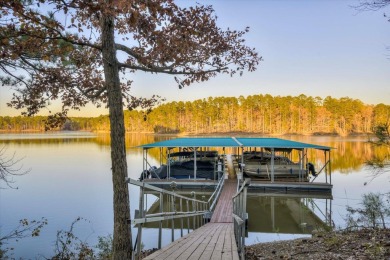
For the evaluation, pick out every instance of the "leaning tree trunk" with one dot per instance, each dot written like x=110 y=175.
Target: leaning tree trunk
x=122 y=232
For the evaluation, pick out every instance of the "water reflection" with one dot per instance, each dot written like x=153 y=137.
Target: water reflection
x=288 y=215
x=71 y=177
x=269 y=215
x=172 y=206
x=349 y=154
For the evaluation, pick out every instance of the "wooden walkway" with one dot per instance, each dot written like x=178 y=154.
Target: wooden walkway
x=224 y=209
x=211 y=241
x=215 y=240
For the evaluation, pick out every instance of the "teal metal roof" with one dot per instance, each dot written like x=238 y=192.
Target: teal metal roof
x=195 y=142
x=278 y=143
x=233 y=142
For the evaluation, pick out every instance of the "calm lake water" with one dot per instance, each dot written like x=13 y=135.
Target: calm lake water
x=70 y=177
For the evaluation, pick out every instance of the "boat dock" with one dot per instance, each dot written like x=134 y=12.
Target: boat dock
x=215 y=240
x=224 y=236
x=256 y=158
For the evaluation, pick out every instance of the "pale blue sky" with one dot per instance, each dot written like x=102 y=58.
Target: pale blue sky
x=316 y=48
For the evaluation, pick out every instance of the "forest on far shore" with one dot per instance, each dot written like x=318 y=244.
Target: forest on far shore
x=264 y=114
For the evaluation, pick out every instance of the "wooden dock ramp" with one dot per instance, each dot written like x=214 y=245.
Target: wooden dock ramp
x=224 y=209
x=215 y=240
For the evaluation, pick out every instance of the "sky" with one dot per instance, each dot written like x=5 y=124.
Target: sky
x=317 y=48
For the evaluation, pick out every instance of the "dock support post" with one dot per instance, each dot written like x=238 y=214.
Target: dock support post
x=194 y=163
x=194 y=210
x=160 y=224
x=188 y=218
x=169 y=164
x=181 y=219
x=300 y=164
x=141 y=215
x=143 y=164
x=198 y=217
x=203 y=209
x=273 y=212
x=272 y=164
x=326 y=172
x=326 y=212
x=161 y=151
x=172 y=221
x=330 y=212
x=243 y=216
x=330 y=170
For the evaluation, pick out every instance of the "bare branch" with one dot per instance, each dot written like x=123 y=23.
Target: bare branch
x=372 y=5
x=9 y=167
x=25 y=228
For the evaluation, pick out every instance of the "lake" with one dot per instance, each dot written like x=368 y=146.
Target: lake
x=70 y=177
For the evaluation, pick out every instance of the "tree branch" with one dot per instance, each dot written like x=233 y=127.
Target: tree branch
x=168 y=70
x=95 y=95
x=9 y=167
x=127 y=50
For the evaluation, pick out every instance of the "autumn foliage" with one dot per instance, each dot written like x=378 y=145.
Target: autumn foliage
x=79 y=51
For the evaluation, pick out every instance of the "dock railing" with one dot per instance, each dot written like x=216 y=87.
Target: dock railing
x=212 y=202
x=240 y=216
x=197 y=210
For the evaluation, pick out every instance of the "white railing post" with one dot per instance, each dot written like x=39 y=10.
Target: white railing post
x=160 y=224
x=239 y=217
x=181 y=219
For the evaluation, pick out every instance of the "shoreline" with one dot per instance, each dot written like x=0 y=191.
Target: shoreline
x=359 y=244
x=218 y=134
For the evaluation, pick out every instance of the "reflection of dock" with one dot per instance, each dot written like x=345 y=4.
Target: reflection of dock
x=267 y=212
x=281 y=214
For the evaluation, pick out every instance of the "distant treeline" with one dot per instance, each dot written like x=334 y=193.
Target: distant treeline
x=253 y=114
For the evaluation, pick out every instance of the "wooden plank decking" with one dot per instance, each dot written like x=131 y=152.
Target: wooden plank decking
x=211 y=241
x=224 y=209
x=214 y=240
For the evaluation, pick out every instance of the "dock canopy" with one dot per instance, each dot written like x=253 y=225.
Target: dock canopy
x=264 y=142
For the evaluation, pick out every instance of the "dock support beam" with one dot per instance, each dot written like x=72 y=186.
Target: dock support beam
x=272 y=165
x=194 y=163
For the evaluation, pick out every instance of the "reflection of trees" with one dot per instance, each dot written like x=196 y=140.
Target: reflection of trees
x=348 y=156
x=380 y=163
x=50 y=141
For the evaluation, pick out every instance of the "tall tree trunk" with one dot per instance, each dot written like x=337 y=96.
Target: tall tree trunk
x=122 y=232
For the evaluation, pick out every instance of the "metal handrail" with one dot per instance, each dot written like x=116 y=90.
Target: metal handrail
x=216 y=193
x=151 y=187
x=239 y=217
x=241 y=189
x=199 y=208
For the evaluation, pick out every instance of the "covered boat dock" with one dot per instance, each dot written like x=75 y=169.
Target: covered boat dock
x=240 y=147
